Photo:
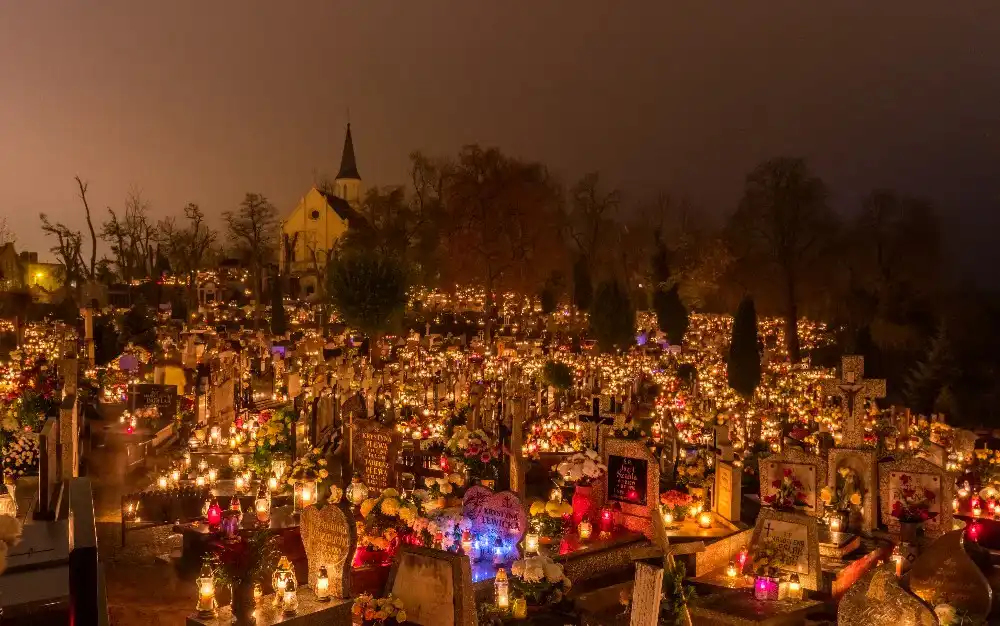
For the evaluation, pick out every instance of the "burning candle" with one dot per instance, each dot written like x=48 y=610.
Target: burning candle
x=262 y=507
x=175 y=475
x=239 y=482
x=705 y=519
x=213 y=474
x=500 y=585
x=272 y=483
x=531 y=543
x=162 y=482
x=584 y=529
x=835 y=524
x=731 y=570
x=200 y=481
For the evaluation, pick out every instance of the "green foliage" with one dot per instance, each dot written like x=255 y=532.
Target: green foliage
x=744 y=354
x=368 y=290
x=550 y=292
x=250 y=559
x=676 y=597
x=583 y=288
x=279 y=323
x=558 y=375
x=138 y=327
x=612 y=321
x=931 y=377
x=671 y=314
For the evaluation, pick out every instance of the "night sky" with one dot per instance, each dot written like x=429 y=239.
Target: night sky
x=205 y=100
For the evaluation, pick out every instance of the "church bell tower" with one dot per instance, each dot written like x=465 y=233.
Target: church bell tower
x=348 y=181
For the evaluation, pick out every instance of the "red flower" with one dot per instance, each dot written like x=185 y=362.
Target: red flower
x=788 y=471
x=904 y=479
x=485 y=458
x=776 y=483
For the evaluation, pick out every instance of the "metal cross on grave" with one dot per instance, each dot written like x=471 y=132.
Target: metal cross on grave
x=767 y=529
x=854 y=389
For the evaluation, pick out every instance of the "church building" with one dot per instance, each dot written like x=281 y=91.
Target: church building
x=310 y=232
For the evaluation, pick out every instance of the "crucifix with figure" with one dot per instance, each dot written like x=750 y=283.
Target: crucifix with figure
x=854 y=389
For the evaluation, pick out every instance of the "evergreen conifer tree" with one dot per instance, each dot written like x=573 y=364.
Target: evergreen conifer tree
x=612 y=320
x=744 y=353
x=279 y=324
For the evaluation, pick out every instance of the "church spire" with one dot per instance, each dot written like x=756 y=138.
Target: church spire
x=348 y=166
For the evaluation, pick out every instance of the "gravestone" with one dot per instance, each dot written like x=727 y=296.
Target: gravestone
x=375 y=451
x=223 y=409
x=633 y=481
x=496 y=517
x=809 y=469
x=898 y=478
x=293 y=383
x=48 y=470
x=728 y=494
x=854 y=389
x=329 y=537
x=517 y=462
x=800 y=536
x=878 y=599
x=435 y=586
x=863 y=463
x=161 y=397
x=69 y=437
x=69 y=370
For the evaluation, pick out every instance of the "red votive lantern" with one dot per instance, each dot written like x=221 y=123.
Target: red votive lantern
x=973 y=533
x=444 y=463
x=214 y=514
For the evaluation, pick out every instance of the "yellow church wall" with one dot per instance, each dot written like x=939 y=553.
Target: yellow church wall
x=318 y=228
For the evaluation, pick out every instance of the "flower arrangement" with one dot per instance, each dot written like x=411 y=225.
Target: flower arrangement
x=849 y=490
x=546 y=518
x=440 y=488
x=583 y=469
x=789 y=491
x=441 y=529
x=311 y=466
x=539 y=580
x=473 y=450
x=676 y=502
x=913 y=502
x=383 y=518
x=275 y=430
x=690 y=470
x=20 y=455
x=372 y=611
x=628 y=431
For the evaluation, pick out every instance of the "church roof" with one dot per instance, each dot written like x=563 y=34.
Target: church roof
x=342 y=208
x=348 y=166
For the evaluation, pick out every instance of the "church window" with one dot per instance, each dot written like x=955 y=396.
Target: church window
x=314 y=215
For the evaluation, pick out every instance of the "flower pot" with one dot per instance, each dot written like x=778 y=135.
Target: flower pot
x=908 y=531
x=765 y=588
x=243 y=605
x=583 y=503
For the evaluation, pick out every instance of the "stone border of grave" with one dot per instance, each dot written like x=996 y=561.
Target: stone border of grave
x=946 y=517
x=812 y=579
x=461 y=570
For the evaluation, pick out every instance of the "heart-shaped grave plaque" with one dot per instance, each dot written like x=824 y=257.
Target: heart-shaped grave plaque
x=496 y=517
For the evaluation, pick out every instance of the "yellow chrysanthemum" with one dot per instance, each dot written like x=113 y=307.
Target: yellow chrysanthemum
x=537 y=507
x=390 y=506
x=367 y=506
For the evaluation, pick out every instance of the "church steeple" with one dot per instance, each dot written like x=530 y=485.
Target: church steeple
x=348 y=166
x=348 y=181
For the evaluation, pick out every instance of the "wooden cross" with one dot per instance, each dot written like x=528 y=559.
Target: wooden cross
x=850 y=387
x=767 y=529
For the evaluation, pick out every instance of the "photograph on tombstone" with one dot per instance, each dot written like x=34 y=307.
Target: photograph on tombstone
x=852 y=487
x=792 y=480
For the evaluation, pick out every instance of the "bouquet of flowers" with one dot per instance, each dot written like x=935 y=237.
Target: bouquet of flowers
x=583 y=469
x=628 y=431
x=311 y=466
x=473 y=451
x=539 y=580
x=690 y=470
x=372 y=611
x=438 y=489
x=546 y=518
x=383 y=518
x=677 y=502
x=849 y=490
x=20 y=455
x=913 y=502
x=789 y=492
x=246 y=559
x=441 y=529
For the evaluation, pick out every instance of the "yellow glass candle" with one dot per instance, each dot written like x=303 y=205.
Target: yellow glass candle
x=520 y=608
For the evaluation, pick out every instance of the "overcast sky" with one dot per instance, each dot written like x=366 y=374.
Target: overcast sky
x=205 y=100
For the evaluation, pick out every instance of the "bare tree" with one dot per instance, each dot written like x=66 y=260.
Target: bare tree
x=90 y=226
x=187 y=246
x=252 y=230
x=67 y=249
x=114 y=232
x=591 y=222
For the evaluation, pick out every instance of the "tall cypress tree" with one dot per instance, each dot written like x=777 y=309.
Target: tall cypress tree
x=279 y=325
x=744 y=355
x=671 y=314
x=612 y=318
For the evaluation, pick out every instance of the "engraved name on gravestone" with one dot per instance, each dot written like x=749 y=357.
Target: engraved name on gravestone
x=627 y=479
x=495 y=515
x=161 y=397
x=376 y=450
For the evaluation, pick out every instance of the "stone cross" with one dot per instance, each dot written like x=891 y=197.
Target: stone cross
x=854 y=389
